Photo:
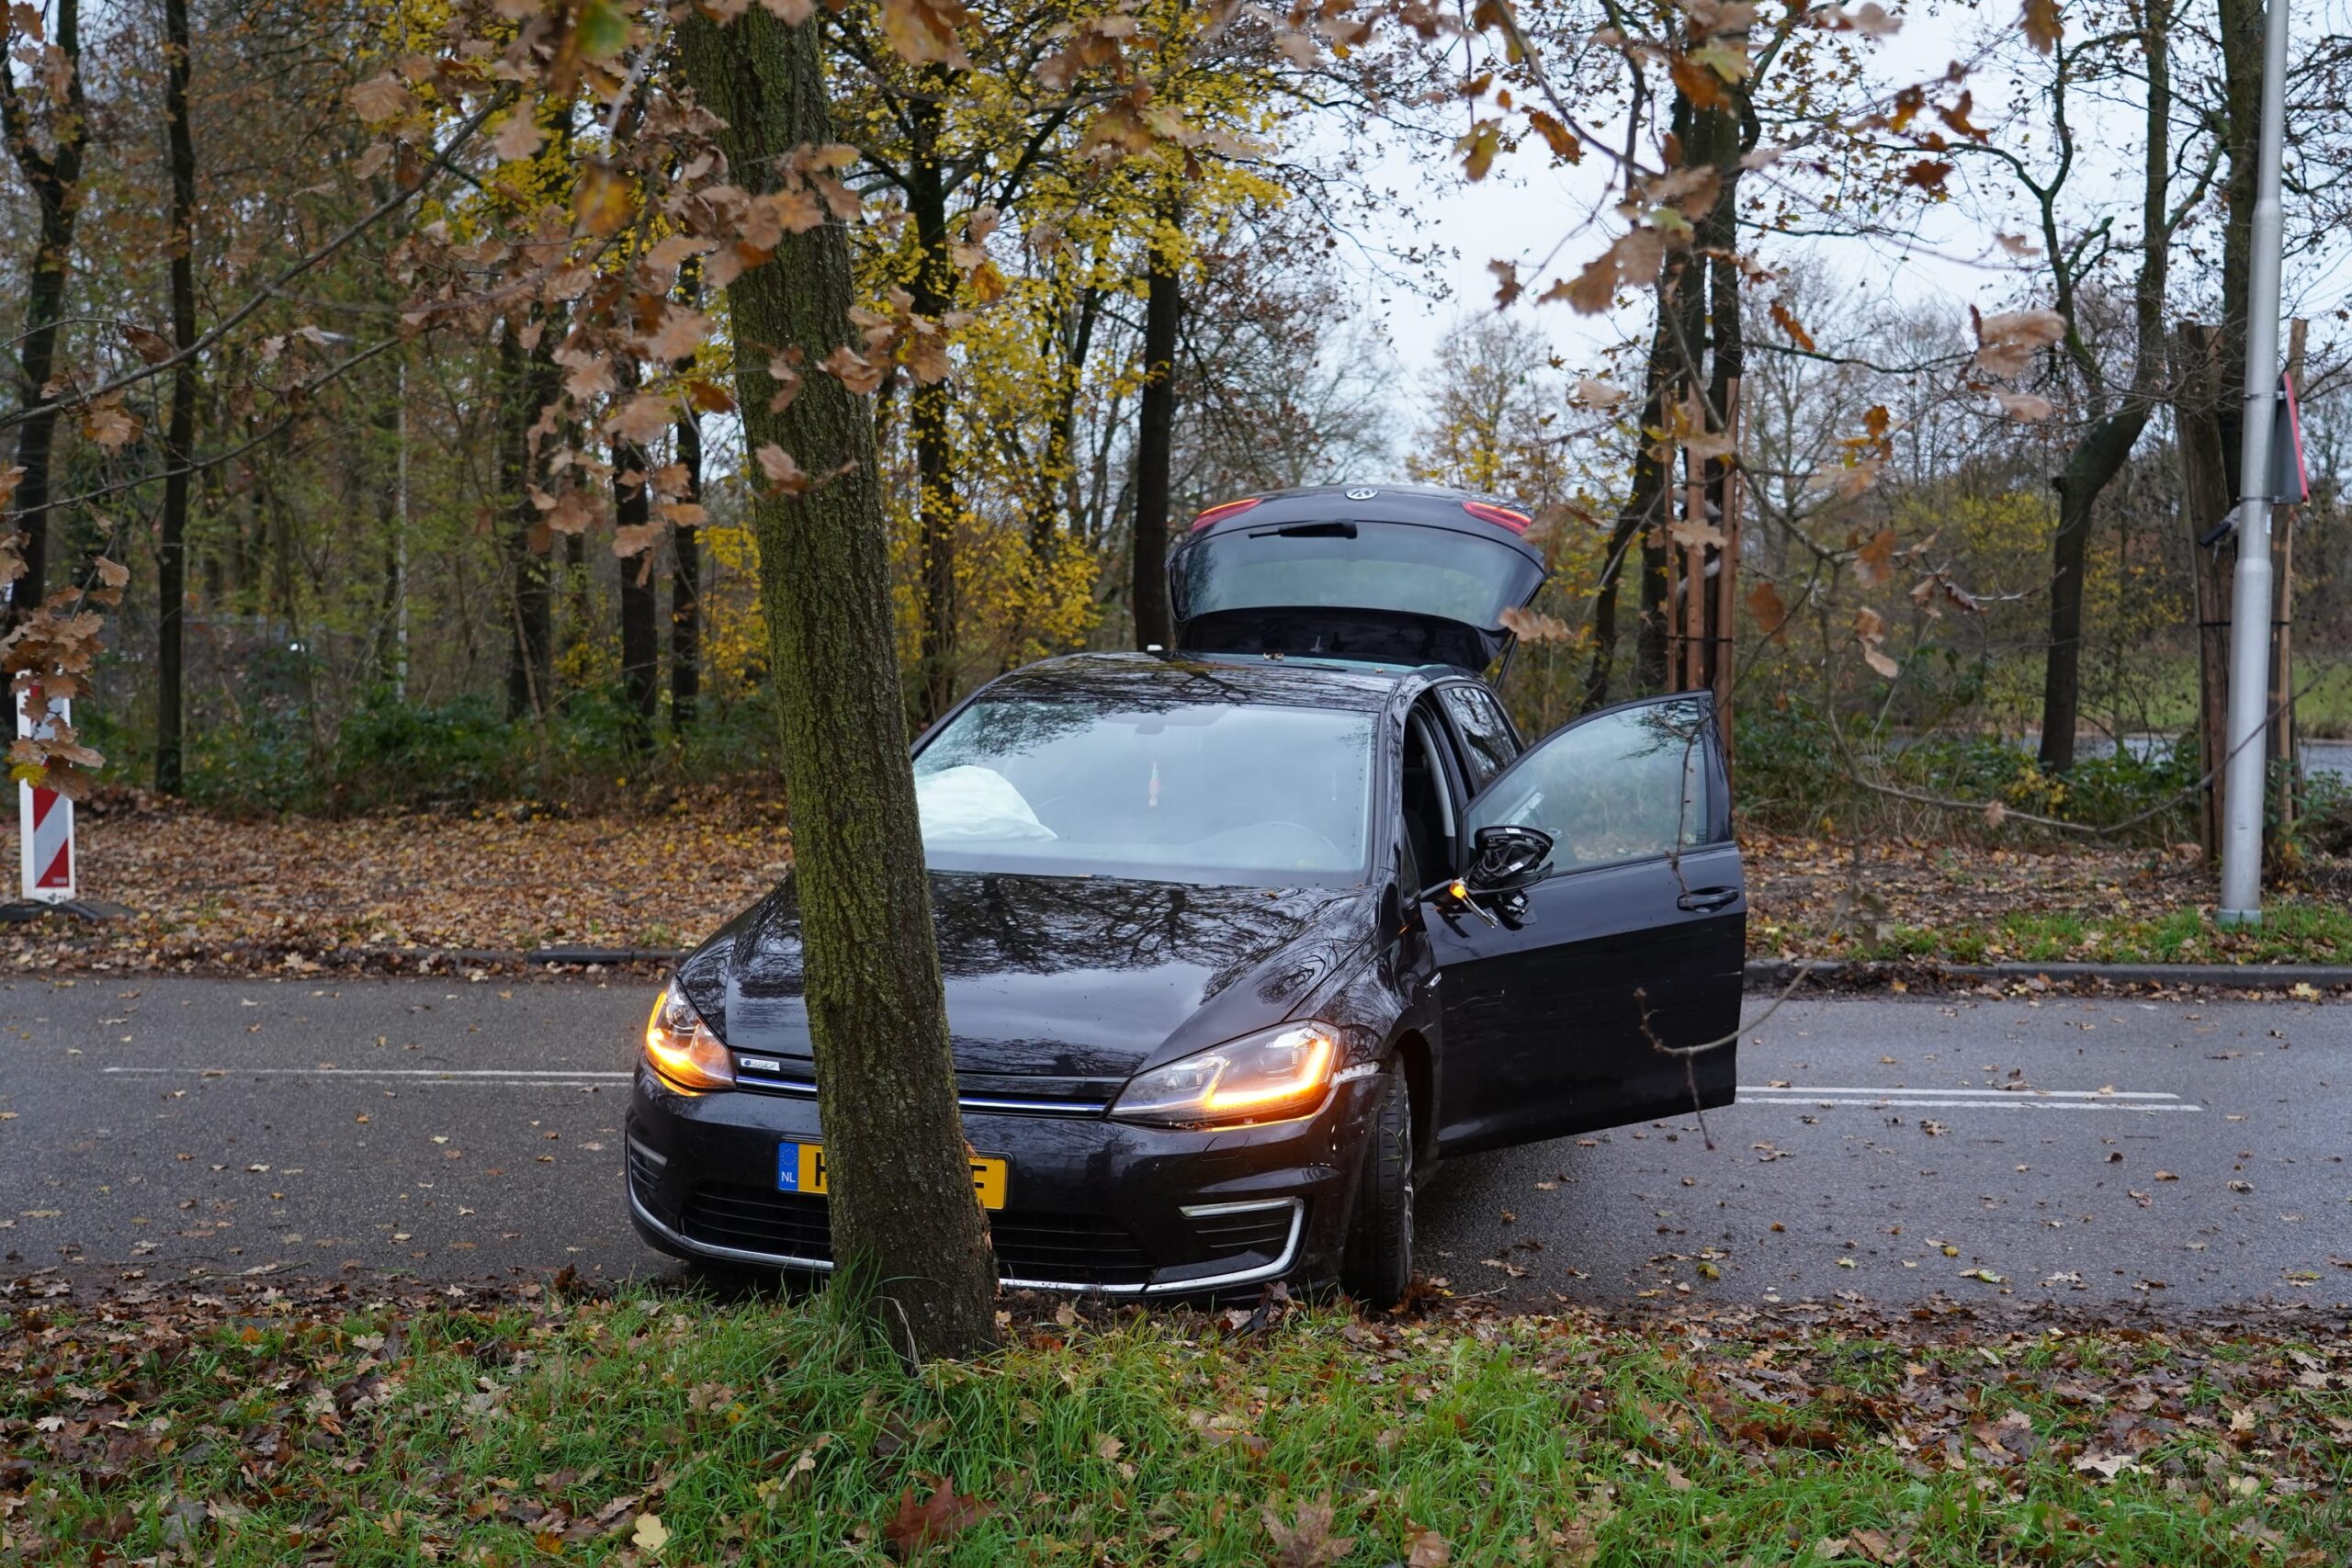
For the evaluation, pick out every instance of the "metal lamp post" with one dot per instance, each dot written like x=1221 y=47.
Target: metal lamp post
x=2241 y=787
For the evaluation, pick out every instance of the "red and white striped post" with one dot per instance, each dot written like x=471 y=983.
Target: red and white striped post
x=44 y=818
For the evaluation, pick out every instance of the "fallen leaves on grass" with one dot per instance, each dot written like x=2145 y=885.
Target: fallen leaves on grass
x=336 y=1422
x=1306 y=1541
x=933 y=1522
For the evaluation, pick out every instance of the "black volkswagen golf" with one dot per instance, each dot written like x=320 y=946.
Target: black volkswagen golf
x=1242 y=938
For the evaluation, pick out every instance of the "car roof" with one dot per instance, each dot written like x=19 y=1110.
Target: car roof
x=1145 y=680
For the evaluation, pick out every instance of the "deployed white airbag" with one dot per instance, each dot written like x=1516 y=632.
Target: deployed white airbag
x=970 y=802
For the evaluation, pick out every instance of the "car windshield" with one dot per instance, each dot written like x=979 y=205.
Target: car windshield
x=1250 y=794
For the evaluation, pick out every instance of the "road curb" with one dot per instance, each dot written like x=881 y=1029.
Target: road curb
x=1773 y=973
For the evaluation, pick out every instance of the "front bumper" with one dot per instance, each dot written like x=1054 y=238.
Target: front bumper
x=1092 y=1204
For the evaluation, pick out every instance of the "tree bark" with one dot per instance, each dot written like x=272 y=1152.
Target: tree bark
x=2240 y=26
x=1644 y=511
x=2205 y=500
x=909 y=1234
x=529 y=386
x=56 y=181
x=179 y=440
x=640 y=626
x=1155 y=449
x=685 y=591
x=2100 y=454
x=2095 y=461
x=930 y=408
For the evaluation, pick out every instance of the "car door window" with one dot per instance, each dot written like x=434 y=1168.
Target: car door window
x=1428 y=802
x=1489 y=746
x=1620 y=785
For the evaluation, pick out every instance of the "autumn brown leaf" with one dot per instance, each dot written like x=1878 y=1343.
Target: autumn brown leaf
x=1786 y=321
x=781 y=472
x=1306 y=1541
x=151 y=346
x=108 y=423
x=1478 y=147
x=2041 y=25
x=1533 y=625
x=944 y=1516
x=853 y=370
x=519 y=136
x=379 y=98
x=603 y=200
x=924 y=31
x=1870 y=633
x=642 y=419
x=1874 y=562
x=2005 y=343
x=1771 y=615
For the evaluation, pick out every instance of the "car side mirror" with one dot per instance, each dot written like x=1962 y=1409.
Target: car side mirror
x=1505 y=855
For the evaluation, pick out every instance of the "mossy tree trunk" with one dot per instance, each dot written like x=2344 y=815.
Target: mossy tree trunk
x=908 y=1231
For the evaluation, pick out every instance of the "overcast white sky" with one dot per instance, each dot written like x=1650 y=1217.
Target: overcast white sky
x=1526 y=209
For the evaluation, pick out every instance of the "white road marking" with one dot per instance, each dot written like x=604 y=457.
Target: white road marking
x=511 y=1075
x=1992 y=1093
x=2014 y=1102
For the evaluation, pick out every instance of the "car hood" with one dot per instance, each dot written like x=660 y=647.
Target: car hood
x=1083 y=979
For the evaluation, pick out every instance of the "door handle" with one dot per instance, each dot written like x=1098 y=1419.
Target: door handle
x=1704 y=900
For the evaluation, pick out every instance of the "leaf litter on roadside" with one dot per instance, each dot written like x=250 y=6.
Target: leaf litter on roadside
x=334 y=1421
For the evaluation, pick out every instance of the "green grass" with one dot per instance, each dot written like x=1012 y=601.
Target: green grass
x=263 y=1431
x=2163 y=684
x=2295 y=932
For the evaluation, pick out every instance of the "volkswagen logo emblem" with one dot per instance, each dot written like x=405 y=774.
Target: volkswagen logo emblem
x=1361 y=494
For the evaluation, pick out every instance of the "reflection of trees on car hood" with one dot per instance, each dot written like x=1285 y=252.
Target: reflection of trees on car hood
x=1080 y=975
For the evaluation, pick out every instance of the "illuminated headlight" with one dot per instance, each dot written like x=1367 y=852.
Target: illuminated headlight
x=1269 y=1077
x=681 y=1047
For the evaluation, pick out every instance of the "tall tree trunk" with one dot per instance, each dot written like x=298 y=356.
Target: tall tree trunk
x=2100 y=454
x=685 y=589
x=1155 y=446
x=528 y=385
x=2240 y=26
x=908 y=1231
x=2095 y=461
x=1644 y=512
x=56 y=181
x=179 y=440
x=1055 y=504
x=934 y=289
x=640 y=626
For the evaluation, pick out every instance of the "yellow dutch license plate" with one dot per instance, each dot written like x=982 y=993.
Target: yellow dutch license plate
x=800 y=1167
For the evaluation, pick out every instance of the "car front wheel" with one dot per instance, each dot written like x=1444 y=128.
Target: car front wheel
x=1377 y=1263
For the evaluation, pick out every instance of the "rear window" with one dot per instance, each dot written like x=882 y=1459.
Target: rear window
x=1442 y=572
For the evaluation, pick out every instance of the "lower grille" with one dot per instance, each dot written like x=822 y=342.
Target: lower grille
x=1244 y=1232
x=1061 y=1249
x=644 y=1175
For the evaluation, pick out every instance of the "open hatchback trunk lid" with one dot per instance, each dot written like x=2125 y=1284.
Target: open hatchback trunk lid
x=1387 y=576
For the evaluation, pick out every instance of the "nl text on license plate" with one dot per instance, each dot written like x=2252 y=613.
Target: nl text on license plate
x=800 y=1167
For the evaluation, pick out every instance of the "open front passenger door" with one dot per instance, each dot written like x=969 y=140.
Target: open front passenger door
x=1557 y=991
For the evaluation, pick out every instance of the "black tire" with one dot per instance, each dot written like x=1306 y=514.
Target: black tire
x=1377 y=1263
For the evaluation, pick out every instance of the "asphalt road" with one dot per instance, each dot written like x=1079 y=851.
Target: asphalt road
x=1890 y=1150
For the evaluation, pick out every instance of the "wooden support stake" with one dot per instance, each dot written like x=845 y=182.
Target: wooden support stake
x=2282 y=662
x=1726 y=645
x=1694 y=575
x=2205 y=501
